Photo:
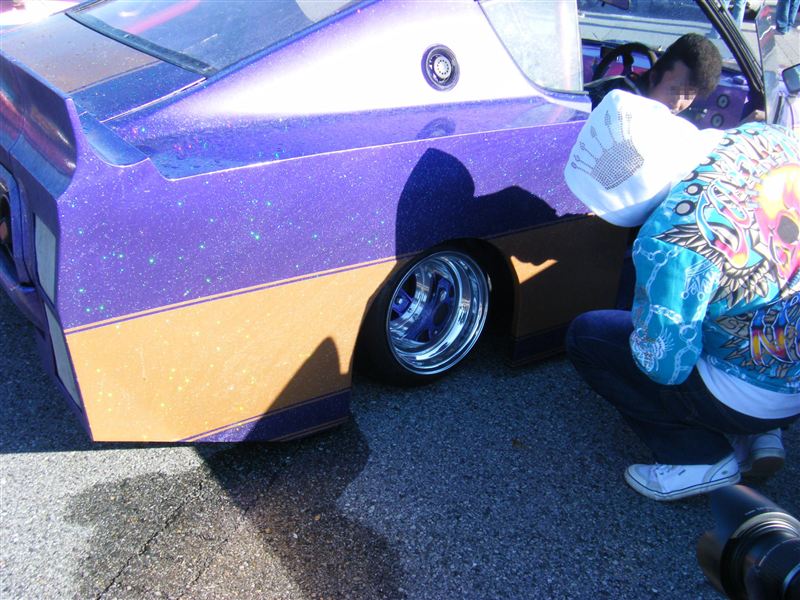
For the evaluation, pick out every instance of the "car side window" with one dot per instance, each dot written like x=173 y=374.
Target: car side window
x=656 y=23
x=542 y=38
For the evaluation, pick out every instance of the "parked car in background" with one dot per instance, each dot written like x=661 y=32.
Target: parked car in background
x=208 y=209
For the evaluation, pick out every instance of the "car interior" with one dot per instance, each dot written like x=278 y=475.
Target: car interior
x=617 y=43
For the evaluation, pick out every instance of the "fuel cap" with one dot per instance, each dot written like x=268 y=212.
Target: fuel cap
x=440 y=68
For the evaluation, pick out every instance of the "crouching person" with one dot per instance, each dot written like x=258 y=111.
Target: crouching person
x=706 y=367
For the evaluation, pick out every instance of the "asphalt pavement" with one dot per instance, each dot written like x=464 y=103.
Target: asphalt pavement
x=493 y=483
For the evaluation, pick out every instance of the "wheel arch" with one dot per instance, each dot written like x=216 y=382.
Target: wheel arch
x=501 y=279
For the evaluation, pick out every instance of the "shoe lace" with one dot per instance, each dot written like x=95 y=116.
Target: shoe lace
x=663 y=469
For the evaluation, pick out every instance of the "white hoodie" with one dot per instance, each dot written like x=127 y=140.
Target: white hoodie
x=630 y=153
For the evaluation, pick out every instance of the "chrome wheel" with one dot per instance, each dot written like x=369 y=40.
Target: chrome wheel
x=437 y=312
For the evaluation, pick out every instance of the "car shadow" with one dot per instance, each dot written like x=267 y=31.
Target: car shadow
x=34 y=417
x=267 y=506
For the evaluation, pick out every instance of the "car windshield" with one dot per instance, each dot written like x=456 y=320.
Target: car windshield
x=205 y=36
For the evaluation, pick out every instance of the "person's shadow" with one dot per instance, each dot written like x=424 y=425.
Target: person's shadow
x=570 y=263
x=438 y=202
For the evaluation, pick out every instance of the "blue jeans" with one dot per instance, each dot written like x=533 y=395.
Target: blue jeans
x=785 y=14
x=681 y=424
x=737 y=14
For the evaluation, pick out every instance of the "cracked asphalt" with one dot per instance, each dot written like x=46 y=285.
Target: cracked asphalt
x=493 y=483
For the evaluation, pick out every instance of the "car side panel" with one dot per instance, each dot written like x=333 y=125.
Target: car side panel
x=561 y=270
x=193 y=307
x=211 y=277
x=270 y=362
x=131 y=240
x=201 y=368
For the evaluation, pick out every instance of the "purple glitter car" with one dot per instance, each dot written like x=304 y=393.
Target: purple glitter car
x=208 y=210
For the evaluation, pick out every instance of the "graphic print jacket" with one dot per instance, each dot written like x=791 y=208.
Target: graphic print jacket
x=718 y=266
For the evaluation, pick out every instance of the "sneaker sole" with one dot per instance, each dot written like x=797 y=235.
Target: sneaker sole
x=700 y=488
x=762 y=467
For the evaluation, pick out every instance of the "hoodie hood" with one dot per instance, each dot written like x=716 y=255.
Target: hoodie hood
x=630 y=153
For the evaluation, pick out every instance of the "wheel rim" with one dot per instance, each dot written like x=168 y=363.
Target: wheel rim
x=437 y=312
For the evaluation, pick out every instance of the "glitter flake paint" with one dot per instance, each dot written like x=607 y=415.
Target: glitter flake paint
x=198 y=247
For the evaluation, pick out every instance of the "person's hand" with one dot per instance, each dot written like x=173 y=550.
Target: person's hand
x=757 y=116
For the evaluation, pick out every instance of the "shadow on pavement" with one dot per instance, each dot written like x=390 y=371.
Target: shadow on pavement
x=34 y=415
x=250 y=516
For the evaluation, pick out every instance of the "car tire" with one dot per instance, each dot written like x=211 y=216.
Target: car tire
x=426 y=318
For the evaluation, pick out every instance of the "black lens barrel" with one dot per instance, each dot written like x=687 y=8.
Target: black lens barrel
x=753 y=553
x=771 y=565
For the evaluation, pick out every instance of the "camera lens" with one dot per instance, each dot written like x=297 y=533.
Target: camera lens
x=753 y=553
x=769 y=556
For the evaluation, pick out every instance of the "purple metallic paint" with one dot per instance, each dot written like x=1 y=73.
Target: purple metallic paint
x=37 y=138
x=169 y=211
x=131 y=240
x=298 y=420
x=325 y=192
x=125 y=92
x=208 y=149
x=357 y=64
x=36 y=129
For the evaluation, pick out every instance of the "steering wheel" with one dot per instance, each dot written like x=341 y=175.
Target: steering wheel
x=626 y=51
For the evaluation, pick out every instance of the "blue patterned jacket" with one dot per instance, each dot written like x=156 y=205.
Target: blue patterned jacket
x=718 y=266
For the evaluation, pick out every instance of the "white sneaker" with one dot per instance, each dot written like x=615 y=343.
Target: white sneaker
x=759 y=455
x=671 y=482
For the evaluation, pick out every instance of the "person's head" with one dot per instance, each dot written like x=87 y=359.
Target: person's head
x=690 y=67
